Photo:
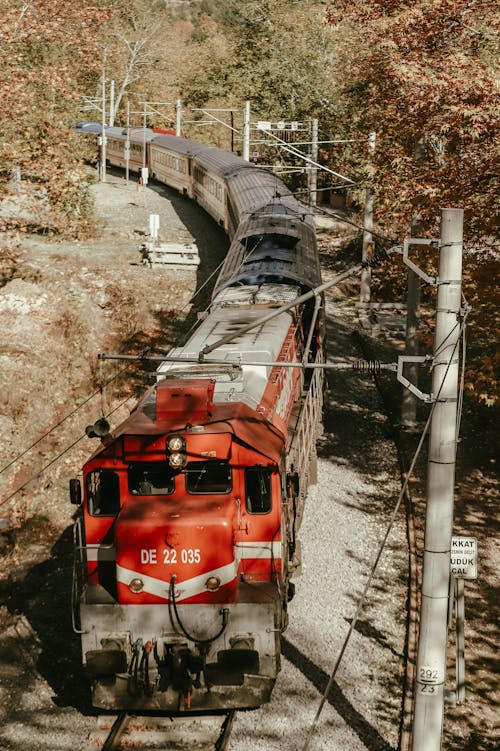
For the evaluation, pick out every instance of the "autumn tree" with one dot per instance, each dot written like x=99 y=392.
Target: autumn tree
x=424 y=73
x=273 y=52
x=50 y=51
x=424 y=76
x=133 y=46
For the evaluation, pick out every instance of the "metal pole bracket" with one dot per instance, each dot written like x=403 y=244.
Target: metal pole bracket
x=402 y=359
x=413 y=266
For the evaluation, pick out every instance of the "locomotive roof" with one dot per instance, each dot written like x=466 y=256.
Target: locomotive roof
x=261 y=345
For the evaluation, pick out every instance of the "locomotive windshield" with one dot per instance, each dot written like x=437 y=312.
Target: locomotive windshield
x=208 y=477
x=151 y=478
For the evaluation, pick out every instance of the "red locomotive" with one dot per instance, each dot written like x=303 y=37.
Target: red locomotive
x=186 y=539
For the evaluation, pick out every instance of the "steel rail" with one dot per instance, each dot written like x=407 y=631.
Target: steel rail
x=112 y=742
x=119 y=728
x=223 y=741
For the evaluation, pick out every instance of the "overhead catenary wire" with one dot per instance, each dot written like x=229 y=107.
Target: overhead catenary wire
x=380 y=550
x=362 y=366
x=340 y=218
x=56 y=458
x=461 y=389
x=132 y=359
x=135 y=358
x=70 y=414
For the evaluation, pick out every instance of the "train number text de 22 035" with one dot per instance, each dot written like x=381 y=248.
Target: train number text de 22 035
x=171 y=556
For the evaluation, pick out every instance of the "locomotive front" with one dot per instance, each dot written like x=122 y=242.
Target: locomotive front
x=182 y=603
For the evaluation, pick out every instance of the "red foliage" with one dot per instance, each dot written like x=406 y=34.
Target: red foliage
x=424 y=77
x=424 y=73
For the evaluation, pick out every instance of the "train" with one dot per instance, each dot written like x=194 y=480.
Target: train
x=188 y=513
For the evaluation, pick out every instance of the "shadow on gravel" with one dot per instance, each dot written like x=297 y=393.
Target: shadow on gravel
x=470 y=726
x=211 y=239
x=356 y=429
x=370 y=632
x=369 y=736
x=43 y=596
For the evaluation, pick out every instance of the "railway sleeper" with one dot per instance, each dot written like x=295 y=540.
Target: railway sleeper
x=204 y=733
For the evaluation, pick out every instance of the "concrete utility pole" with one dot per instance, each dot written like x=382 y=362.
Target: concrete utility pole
x=111 y=103
x=366 y=275
x=313 y=170
x=246 y=132
x=431 y=663
x=144 y=120
x=103 y=129
x=127 y=147
x=178 y=117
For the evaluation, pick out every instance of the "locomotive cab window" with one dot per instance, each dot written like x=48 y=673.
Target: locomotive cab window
x=208 y=477
x=103 y=492
x=258 y=490
x=151 y=478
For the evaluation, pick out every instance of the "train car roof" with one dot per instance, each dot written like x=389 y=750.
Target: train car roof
x=135 y=134
x=273 y=244
x=253 y=188
x=89 y=126
x=222 y=162
x=180 y=145
x=213 y=158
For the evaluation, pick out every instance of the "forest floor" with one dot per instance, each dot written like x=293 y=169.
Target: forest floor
x=61 y=304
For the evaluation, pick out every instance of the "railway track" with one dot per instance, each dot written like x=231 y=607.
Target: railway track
x=151 y=733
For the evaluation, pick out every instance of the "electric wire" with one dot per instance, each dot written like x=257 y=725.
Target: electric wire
x=100 y=390
x=341 y=218
x=56 y=458
x=70 y=414
x=137 y=358
x=461 y=388
x=382 y=545
x=181 y=625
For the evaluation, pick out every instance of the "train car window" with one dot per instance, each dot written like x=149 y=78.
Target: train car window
x=232 y=215
x=199 y=175
x=258 y=490
x=103 y=492
x=208 y=477
x=151 y=478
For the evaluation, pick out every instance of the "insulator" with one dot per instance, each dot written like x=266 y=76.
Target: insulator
x=373 y=367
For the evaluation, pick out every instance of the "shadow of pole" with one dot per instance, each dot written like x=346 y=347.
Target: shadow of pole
x=369 y=736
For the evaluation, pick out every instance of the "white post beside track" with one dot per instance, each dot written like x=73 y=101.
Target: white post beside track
x=246 y=132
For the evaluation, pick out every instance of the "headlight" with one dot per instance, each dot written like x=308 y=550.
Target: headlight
x=136 y=585
x=177 y=460
x=212 y=583
x=176 y=451
x=175 y=443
